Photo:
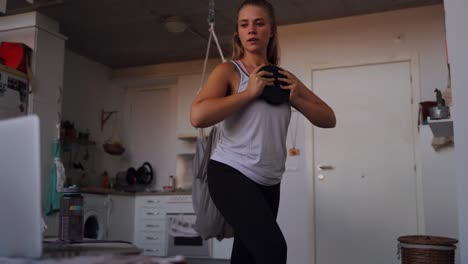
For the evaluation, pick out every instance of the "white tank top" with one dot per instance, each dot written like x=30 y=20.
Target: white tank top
x=253 y=140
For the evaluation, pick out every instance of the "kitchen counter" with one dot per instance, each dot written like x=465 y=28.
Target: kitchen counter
x=106 y=191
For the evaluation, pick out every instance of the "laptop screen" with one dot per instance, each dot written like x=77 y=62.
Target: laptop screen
x=20 y=185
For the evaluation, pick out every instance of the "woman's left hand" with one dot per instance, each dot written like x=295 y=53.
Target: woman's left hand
x=293 y=84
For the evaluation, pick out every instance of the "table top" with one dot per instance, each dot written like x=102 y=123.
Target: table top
x=115 y=259
x=56 y=248
x=93 y=252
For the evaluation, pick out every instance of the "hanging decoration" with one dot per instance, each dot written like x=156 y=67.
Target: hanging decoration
x=294 y=151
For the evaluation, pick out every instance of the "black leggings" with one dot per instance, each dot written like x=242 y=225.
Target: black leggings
x=251 y=210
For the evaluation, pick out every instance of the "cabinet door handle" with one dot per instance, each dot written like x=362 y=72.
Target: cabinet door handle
x=151 y=213
x=152 y=225
x=152 y=238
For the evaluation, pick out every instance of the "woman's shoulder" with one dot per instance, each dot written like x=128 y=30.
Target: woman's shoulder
x=225 y=68
x=226 y=71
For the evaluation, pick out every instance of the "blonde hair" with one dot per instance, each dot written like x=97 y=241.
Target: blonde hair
x=273 y=45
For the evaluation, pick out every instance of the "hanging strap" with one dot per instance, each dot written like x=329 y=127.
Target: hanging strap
x=211 y=12
x=212 y=36
x=211 y=22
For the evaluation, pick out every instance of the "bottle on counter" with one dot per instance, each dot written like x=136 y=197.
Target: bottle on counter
x=172 y=183
x=71 y=215
x=105 y=181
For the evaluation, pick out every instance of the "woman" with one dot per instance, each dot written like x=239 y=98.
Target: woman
x=246 y=167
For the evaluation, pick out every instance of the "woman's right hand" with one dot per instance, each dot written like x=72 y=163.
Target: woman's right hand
x=257 y=81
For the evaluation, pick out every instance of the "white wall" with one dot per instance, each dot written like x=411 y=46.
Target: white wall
x=457 y=37
x=439 y=184
x=357 y=39
x=40 y=34
x=87 y=90
x=368 y=37
x=90 y=87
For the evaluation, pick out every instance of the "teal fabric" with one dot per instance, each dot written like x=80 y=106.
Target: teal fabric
x=53 y=197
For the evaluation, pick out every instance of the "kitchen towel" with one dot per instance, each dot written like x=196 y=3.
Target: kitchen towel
x=56 y=180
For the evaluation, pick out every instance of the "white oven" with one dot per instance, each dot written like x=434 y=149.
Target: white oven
x=182 y=239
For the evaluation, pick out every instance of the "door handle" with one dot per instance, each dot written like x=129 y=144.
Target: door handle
x=325 y=167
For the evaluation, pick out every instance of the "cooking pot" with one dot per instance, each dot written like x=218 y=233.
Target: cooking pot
x=439 y=112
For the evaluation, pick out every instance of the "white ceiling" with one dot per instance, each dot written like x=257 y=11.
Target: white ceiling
x=125 y=33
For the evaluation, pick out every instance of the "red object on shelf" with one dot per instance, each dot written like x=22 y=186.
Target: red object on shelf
x=15 y=55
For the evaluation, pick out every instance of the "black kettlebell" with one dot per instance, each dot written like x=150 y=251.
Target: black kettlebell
x=274 y=94
x=145 y=174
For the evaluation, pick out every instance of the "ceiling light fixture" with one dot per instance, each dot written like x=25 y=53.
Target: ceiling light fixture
x=174 y=24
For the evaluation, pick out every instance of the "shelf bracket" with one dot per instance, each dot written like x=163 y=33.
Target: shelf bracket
x=105 y=115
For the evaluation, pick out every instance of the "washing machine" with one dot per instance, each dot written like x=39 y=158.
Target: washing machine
x=95 y=216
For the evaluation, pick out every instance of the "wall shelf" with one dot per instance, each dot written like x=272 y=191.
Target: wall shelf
x=441 y=127
x=13 y=72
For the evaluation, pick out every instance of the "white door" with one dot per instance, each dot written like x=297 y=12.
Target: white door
x=150 y=131
x=365 y=193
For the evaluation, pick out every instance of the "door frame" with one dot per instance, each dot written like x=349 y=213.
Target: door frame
x=413 y=59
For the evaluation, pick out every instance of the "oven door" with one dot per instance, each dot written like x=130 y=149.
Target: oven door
x=185 y=244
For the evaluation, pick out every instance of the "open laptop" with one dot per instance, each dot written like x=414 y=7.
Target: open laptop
x=20 y=185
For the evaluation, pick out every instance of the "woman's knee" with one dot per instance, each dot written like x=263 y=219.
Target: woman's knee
x=280 y=249
x=275 y=252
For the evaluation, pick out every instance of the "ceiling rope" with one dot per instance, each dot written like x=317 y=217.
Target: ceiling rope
x=211 y=12
x=211 y=22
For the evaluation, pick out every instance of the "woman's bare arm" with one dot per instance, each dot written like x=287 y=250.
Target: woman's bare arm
x=211 y=105
x=306 y=102
x=314 y=109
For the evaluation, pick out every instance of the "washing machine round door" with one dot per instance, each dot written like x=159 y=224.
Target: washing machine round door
x=93 y=226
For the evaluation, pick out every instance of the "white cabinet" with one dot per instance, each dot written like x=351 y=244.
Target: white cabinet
x=150 y=225
x=48 y=51
x=142 y=220
x=47 y=66
x=47 y=113
x=121 y=218
x=187 y=88
x=438 y=185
